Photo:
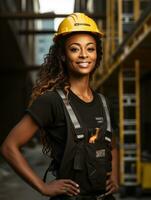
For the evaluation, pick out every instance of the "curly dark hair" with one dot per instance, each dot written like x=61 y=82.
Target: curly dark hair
x=53 y=73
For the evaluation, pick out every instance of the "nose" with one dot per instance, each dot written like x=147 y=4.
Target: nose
x=83 y=53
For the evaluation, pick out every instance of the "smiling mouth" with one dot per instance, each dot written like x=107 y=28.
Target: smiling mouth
x=83 y=64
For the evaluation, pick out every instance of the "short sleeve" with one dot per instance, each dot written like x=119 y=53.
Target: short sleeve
x=46 y=110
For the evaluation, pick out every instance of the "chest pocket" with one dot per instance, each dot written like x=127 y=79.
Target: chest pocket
x=92 y=160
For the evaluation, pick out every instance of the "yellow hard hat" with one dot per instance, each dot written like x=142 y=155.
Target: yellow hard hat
x=77 y=22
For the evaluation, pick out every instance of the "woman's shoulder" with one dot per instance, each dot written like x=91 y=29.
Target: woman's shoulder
x=52 y=94
x=48 y=97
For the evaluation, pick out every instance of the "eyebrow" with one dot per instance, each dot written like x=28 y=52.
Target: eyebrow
x=79 y=44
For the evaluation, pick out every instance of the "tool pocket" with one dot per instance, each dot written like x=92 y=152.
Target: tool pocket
x=96 y=166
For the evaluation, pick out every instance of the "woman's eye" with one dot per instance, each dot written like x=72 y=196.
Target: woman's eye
x=73 y=49
x=90 y=49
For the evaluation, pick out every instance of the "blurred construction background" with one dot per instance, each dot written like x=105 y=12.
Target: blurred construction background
x=26 y=31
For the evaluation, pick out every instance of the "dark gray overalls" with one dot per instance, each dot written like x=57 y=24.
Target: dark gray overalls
x=86 y=163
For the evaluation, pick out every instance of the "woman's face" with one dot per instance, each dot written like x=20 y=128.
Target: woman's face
x=81 y=54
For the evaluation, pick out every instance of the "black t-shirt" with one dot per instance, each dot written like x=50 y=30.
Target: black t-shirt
x=90 y=114
x=47 y=111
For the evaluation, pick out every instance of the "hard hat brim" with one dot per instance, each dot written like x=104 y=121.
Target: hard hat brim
x=57 y=36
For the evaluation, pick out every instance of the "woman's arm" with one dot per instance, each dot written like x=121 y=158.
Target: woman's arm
x=10 y=149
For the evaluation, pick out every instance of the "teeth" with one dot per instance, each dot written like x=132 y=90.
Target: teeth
x=83 y=64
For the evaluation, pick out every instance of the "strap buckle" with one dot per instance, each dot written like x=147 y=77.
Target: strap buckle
x=79 y=133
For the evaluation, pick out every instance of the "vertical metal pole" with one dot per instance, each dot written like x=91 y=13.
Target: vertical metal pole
x=107 y=40
x=136 y=9
x=112 y=14
x=120 y=21
x=121 y=124
x=137 y=110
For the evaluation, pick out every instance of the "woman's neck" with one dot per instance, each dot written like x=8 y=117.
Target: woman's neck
x=82 y=89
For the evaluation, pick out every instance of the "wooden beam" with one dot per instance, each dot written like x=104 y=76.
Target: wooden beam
x=41 y=16
x=136 y=9
x=112 y=14
x=34 y=31
x=120 y=21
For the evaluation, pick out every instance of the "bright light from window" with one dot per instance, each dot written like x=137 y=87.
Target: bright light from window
x=58 y=7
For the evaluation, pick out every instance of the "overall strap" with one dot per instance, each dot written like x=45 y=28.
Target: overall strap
x=72 y=115
x=109 y=129
x=74 y=119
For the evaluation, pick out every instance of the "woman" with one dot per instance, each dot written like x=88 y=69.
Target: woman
x=69 y=66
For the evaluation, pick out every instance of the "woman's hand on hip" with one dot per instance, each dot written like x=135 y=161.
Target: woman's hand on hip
x=61 y=187
x=111 y=185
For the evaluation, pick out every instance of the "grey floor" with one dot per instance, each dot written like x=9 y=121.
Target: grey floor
x=12 y=187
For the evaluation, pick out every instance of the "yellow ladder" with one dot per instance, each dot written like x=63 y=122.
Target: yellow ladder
x=129 y=119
